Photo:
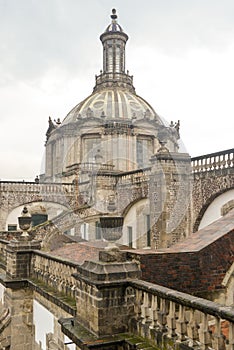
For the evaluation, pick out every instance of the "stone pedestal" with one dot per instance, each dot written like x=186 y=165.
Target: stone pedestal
x=170 y=191
x=102 y=303
x=19 y=256
x=20 y=303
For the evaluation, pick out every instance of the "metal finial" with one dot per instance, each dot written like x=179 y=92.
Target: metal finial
x=25 y=211
x=113 y=16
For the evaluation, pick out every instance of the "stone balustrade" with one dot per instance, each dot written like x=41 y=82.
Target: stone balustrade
x=25 y=187
x=170 y=318
x=213 y=161
x=54 y=272
x=135 y=177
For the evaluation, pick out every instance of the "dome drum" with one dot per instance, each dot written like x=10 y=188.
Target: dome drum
x=121 y=80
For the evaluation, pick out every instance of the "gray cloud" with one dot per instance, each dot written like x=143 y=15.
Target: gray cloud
x=38 y=35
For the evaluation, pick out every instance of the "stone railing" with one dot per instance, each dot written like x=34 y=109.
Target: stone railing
x=135 y=177
x=54 y=272
x=172 y=318
x=213 y=161
x=91 y=166
x=23 y=186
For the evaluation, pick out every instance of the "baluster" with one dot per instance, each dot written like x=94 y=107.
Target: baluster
x=162 y=319
x=217 y=336
x=145 y=309
x=210 y=163
x=171 y=320
x=137 y=305
x=206 y=164
x=181 y=325
x=224 y=161
x=154 y=312
x=204 y=334
x=192 y=329
x=229 y=162
x=230 y=345
x=219 y=163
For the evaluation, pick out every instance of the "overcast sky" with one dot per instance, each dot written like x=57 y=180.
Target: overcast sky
x=181 y=53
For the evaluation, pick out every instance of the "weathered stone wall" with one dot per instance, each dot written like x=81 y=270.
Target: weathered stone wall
x=20 y=304
x=206 y=187
x=170 y=196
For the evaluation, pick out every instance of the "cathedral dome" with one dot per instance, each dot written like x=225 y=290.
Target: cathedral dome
x=114 y=95
x=113 y=124
x=112 y=104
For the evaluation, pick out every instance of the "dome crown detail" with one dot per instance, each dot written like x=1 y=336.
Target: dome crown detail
x=113 y=74
x=114 y=96
x=114 y=26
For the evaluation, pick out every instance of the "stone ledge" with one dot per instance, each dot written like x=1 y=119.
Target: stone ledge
x=58 y=299
x=87 y=340
x=100 y=273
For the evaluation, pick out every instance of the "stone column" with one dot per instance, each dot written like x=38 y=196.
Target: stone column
x=19 y=257
x=170 y=197
x=101 y=302
x=20 y=304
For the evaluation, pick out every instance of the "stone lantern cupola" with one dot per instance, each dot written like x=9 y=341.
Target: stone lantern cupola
x=114 y=40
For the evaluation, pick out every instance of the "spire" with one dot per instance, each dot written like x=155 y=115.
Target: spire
x=113 y=74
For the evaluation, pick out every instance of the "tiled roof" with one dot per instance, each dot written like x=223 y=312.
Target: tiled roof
x=79 y=252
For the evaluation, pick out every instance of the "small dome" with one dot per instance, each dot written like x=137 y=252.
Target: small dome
x=114 y=26
x=112 y=104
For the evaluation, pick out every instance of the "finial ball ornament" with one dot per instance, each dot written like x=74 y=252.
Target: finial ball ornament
x=113 y=16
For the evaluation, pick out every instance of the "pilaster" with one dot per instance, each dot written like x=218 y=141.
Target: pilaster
x=170 y=191
x=19 y=257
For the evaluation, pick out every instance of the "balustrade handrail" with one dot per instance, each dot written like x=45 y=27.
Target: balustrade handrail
x=55 y=258
x=34 y=183
x=213 y=161
x=187 y=300
x=220 y=153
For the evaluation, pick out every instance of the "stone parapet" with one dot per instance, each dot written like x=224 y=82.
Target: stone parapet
x=173 y=320
x=19 y=258
x=101 y=289
x=54 y=272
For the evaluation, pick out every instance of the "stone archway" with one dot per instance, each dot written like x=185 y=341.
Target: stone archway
x=136 y=224
x=216 y=206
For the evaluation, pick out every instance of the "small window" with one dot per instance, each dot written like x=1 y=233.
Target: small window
x=148 y=231
x=130 y=236
x=98 y=230
x=84 y=231
x=90 y=146
x=12 y=228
